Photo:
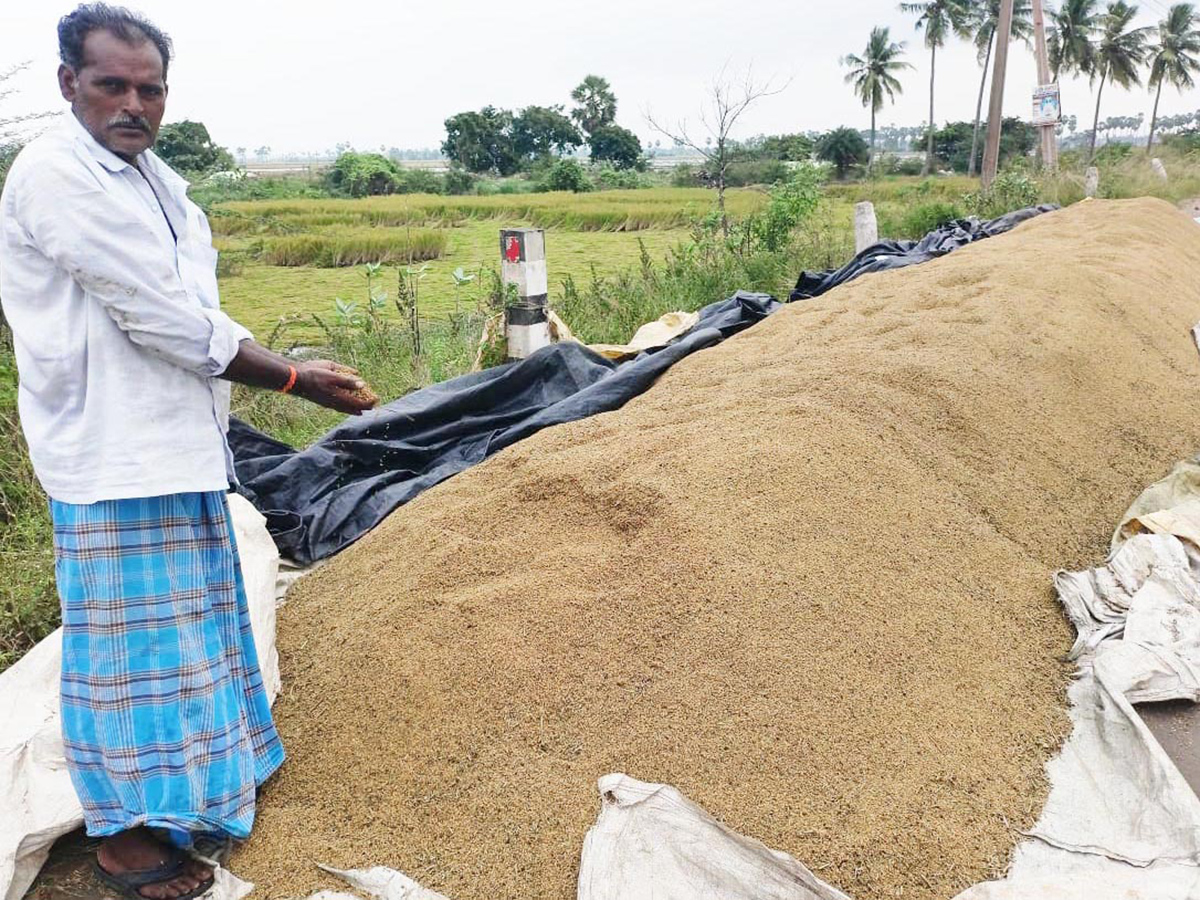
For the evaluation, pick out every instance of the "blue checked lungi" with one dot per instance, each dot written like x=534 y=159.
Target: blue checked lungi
x=164 y=717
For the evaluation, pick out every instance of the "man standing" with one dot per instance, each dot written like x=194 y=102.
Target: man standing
x=108 y=280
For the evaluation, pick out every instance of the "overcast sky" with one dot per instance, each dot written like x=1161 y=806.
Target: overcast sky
x=303 y=76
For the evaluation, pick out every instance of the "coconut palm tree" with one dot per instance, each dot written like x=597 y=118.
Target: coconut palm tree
x=985 y=16
x=938 y=19
x=1175 y=57
x=1069 y=42
x=1120 y=51
x=872 y=75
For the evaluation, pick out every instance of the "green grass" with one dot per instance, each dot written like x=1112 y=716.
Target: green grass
x=627 y=210
x=259 y=295
x=28 y=601
x=337 y=248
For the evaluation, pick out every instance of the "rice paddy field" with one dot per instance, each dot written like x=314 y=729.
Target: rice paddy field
x=293 y=258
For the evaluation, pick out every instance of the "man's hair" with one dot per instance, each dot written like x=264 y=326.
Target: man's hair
x=130 y=27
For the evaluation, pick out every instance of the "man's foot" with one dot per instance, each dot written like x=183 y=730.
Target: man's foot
x=137 y=849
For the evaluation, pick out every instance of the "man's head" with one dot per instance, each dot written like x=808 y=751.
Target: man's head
x=114 y=74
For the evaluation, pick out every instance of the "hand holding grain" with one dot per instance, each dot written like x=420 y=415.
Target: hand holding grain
x=333 y=385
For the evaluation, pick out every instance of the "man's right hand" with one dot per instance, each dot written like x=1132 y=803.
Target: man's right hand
x=321 y=381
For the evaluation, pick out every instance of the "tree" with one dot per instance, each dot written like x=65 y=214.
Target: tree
x=597 y=104
x=1069 y=42
x=617 y=145
x=262 y=153
x=481 y=141
x=543 y=131
x=845 y=148
x=985 y=19
x=1119 y=52
x=953 y=145
x=186 y=147
x=1175 y=57
x=939 y=19
x=728 y=98
x=872 y=74
x=787 y=147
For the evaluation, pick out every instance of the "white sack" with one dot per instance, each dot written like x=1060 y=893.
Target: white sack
x=37 y=802
x=652 y=843
x=1121 y=822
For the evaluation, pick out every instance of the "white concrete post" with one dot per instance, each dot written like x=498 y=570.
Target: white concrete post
x=1159 y=169
x=866 y=229
x=523 y=265
x=1091 y=183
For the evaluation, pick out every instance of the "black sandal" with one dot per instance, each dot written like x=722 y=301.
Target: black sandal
x=213 y=848
x=130 y=881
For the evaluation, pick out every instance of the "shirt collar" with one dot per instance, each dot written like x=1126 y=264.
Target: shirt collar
x=101 y=154
x=146 y=159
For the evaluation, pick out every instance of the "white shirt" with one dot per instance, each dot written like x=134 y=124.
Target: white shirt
x=116 y=327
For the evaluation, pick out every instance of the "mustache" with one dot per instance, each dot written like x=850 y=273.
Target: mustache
x=129 y=122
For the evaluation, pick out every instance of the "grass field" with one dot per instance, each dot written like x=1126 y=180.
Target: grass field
x=583 y=231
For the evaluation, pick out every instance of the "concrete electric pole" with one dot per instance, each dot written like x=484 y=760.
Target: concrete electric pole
x=1049 y=139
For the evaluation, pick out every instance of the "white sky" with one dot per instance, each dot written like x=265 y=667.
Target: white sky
x=304 y=76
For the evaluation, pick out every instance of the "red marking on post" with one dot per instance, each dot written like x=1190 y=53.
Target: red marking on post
x=512 y=249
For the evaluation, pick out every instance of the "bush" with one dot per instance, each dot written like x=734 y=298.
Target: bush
x=923 y=218
x=844 y=148
x=363 y=175
x=1009 y=191
x=608 y=178
x=685 y=176
x=567 y=175
x=459 y=181
x=791 y=202
x=756 y=171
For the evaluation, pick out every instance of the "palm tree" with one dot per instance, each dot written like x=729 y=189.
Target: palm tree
x=1174 y=57
x=984 y=19
x=1120 y=50
x=1070 y=38
x=872 y=75
x=597 y=103
x=939 y=19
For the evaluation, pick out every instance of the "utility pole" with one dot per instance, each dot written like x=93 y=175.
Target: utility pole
x=1049 y=139
x=991 y=152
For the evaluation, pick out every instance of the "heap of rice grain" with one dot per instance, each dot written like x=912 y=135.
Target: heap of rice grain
x=805 y=579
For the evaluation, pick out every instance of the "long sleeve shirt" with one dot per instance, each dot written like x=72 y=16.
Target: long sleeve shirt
x=108 y=281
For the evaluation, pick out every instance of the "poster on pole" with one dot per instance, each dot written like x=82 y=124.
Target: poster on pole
x=1046 y=110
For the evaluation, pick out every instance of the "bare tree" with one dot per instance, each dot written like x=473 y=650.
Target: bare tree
x=13 y=127
x=727 y=98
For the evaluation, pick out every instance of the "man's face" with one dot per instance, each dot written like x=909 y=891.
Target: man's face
x=118 y=94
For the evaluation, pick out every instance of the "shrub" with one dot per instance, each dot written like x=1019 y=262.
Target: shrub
x=1009 y=191
x=755 y=171
x=567 y=175
x=459 y=181
x=364 y=175
x=923 y=218
x=608 y=178
x=685 y=176
x=791 y=202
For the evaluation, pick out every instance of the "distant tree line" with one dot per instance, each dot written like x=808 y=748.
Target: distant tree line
x=501 y=142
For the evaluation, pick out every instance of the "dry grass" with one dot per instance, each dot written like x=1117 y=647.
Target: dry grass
x=336 y=248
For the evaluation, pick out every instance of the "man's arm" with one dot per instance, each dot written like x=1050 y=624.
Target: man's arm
x=115 y=256
x=316 y=380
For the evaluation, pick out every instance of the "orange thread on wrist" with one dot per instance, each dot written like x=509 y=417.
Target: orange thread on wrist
x=291 y=382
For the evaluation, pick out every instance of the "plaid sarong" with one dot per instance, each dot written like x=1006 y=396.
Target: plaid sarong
x=164 y=717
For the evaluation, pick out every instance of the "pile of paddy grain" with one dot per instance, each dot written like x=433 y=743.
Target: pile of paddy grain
x=805 y=579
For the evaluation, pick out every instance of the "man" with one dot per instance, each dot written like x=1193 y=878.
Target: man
x=108 y=280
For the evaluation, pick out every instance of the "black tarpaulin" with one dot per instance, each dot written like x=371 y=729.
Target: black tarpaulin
x=892 y=254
